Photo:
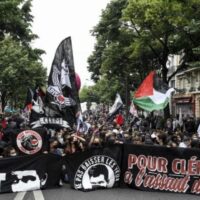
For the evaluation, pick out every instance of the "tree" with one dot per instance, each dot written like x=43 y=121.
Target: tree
x=104 y=91
x=18 y=71
x=20 y=64
x=85 y=94
x=161 y=26
x=194 y=27
x=113 y=53
x=109 y=39
x=111 y=59
x=137 y=36
x=15 y=20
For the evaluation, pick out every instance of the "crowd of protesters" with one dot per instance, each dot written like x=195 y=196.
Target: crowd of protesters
x=96 y=130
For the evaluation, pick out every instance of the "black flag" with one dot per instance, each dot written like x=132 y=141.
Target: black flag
x=60 y=103
x=62 y=93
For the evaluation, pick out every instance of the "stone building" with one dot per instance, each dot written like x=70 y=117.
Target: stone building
x=186 y=99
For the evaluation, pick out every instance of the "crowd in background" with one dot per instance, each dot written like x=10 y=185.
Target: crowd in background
x=96 y=130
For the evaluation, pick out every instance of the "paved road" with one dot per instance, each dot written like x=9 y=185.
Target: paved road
x=66 y=193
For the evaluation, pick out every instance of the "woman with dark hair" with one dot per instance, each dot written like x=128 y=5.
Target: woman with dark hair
x=9 y=152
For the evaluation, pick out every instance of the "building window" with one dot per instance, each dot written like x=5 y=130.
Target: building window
x=192 y=82
x=197 y=77
x=181 y=83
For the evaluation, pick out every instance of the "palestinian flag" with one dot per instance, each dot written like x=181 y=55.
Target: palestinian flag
x=152 y=94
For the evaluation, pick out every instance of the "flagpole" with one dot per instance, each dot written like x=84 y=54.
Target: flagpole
x=127 y=93
x=126 y=97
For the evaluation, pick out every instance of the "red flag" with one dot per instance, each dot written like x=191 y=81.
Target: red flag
x=146 y=88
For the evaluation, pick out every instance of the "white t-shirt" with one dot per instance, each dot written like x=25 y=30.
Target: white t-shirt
x=182 y=144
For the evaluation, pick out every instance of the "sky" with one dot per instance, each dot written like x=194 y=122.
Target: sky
x=54 y=20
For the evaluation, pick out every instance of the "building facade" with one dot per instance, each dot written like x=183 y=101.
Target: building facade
x=187 y=98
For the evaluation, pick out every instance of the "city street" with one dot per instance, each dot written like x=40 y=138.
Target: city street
x=66 y=193
x=99 y=94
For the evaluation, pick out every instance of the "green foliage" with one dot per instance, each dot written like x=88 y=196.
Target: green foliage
x=113 y=55
x=104 y=91
x=20 y=64
x=194 y=29
x=137 y=36
x=15 y=20
x=94 y=61
x=108 y=35
x=84 y=94
x=18 y=71
x=164 y=28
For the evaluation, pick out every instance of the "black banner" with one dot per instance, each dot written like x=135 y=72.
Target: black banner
x=162 y=169
x=94 y=169
x=26 y=173
x=147 y=168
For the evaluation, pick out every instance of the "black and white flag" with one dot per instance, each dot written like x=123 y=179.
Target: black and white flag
x=116 y=106
x=62 y=94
